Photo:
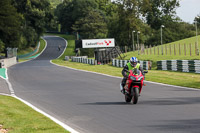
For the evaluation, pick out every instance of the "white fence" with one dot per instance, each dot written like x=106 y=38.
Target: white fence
x=84 y=60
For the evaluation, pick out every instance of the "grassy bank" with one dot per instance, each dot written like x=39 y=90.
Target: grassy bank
x=167 y=77
x=19 y=118
x=42 y=46
x=166 y=56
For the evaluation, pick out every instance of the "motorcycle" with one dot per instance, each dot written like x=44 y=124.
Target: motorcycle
x=133 y=86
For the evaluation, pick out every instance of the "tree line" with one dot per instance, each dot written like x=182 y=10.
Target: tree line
x=120 y=18
x=22 y=22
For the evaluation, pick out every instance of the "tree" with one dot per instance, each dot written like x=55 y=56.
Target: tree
x=36 y=16
x=2 y=46
x=9 y=24
x=70 y=11
x=92 y=26
x=160 y=12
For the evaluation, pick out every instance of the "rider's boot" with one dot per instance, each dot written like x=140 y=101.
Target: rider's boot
x=122 y=88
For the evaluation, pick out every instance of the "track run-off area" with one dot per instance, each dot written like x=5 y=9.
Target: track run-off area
x=93 y=103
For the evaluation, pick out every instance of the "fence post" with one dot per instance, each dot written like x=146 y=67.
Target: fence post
x=154 y=50
x=158 y=50
x=195 y=48
x=166 y=49
x=150 y=49
x=190 y=49
x=174 y=49
x=147 y=50
x=185 y=49
x=170 y=49
x=179 y=49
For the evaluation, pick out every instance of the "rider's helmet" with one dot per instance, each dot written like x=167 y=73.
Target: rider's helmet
x=133 y=61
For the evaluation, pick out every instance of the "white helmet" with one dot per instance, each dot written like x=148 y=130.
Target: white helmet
x=133 y=61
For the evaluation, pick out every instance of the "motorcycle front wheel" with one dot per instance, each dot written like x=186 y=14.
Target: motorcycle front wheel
x=128 y=98
x=135 y=94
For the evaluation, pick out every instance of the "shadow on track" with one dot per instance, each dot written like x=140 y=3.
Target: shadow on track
x=106 y=103
x=180 y=126
x=173 y=101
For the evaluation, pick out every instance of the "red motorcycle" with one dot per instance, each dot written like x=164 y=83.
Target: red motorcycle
x=134 y=85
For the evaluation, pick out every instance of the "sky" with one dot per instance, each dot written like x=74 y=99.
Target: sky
x=188 y=10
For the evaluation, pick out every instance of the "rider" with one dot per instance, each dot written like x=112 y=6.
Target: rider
x=133 y=63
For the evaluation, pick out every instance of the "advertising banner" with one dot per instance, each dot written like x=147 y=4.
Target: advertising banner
x=98 y=43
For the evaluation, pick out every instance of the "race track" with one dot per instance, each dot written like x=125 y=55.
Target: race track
x=92 y=103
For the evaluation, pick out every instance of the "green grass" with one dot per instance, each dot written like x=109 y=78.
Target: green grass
x=167 y=77
x=42 y=45
x=156 y=57
x=26 y=51
x=19 y=118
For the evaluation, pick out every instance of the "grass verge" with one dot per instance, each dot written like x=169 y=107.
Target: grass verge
x=167 y=77
x=42 y=46
x=19 y=118
x=178 y=56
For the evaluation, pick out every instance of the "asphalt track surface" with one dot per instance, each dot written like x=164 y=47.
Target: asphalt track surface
x=92 y=103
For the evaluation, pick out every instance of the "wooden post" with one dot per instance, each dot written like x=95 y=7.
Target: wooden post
x=190 y=49
x=165 y=49
x=174 y=49
x=196 y=48
x=179 y=49
x=150 y=49
x=158 y=50
x=143 y=49
x=147 y=50
x=185 y=49
x=170 y=48
x=154 y=49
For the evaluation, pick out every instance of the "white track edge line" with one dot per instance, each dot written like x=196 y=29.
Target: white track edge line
x=65 y=126
x=47 y=115
x=121 y=78
x=65 y=47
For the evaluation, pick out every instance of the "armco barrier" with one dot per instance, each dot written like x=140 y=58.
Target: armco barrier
x=146 y=65
x=179 y=65
x=83 y=60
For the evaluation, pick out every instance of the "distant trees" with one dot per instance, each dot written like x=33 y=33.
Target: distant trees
x=118 y=19
x=9 y=25
x=22 y=22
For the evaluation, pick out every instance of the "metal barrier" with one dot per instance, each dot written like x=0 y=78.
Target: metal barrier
x=192 y=66
x=146 y=65
x=84 y=60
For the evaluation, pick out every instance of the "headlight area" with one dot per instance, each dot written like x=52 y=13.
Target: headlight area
x=132 y=78
x=140 y=78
